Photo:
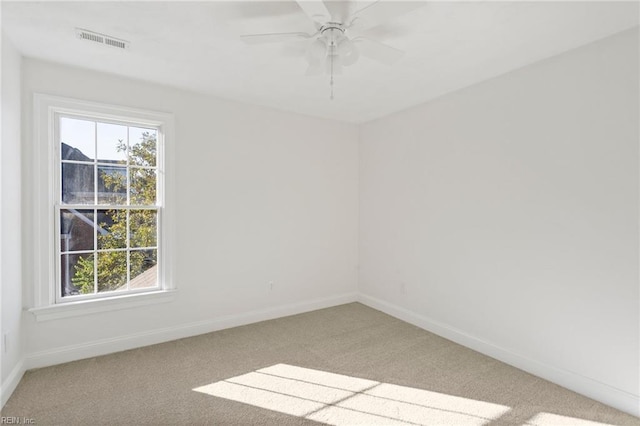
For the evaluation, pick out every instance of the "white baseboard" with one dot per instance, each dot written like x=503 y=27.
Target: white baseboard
x=602 y=392
x=11 y=383
x=152 y=337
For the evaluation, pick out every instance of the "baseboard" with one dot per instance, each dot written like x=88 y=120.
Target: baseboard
x=602 y=392
x=137 y=340
x=11 y=383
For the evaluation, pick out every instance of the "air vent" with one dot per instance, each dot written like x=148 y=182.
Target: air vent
x=101 y=38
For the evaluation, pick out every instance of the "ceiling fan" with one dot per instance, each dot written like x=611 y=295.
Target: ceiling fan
x=340 y=37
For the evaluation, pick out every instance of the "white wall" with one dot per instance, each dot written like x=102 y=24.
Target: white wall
x=261 y=196
x=508 y=212
x=10 y=229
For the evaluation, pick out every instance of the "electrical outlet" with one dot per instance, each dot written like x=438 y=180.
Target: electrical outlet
x=403 y=288
x=270 y=285
x=5 y=342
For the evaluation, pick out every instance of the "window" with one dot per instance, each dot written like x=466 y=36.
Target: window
x=106 y=237
x=107 y=206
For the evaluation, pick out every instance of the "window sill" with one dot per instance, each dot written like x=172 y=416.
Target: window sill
x=86 y=307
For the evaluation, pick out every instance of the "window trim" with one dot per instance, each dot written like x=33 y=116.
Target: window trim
x=45 y=304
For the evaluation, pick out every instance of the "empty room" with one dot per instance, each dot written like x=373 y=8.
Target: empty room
x=308 y=212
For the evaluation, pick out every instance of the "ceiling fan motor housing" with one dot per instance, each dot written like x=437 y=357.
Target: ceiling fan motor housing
x=332 y=42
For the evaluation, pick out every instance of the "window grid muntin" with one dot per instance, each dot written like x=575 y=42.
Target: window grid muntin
x=127 y=166
x=110 y=250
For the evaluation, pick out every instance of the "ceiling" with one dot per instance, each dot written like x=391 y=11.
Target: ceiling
x=197 y=46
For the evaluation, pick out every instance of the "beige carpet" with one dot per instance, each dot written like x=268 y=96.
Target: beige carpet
x=345 y=365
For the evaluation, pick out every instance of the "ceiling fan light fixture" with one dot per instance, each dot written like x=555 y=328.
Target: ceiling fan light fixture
x=348 y=51
x=317 y=51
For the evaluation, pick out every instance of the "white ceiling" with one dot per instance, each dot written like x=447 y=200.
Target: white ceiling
x=196 y=46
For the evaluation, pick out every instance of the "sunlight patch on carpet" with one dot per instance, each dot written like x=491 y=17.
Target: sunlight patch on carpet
x=548 y=419
x=337 y=399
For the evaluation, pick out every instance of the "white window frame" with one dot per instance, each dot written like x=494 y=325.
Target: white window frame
x=44 y=151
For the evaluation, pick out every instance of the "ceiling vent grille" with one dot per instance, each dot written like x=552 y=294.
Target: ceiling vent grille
x=101 y=38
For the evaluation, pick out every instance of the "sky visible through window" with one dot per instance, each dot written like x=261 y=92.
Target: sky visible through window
x=81 y=134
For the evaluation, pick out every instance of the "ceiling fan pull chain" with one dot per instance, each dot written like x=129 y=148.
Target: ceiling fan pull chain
x=331 y=80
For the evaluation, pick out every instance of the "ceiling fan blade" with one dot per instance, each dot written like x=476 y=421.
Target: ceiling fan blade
x=380 y=12
x=315 y=9
x=340 y=10
x=378 y=51
x=273 y=37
